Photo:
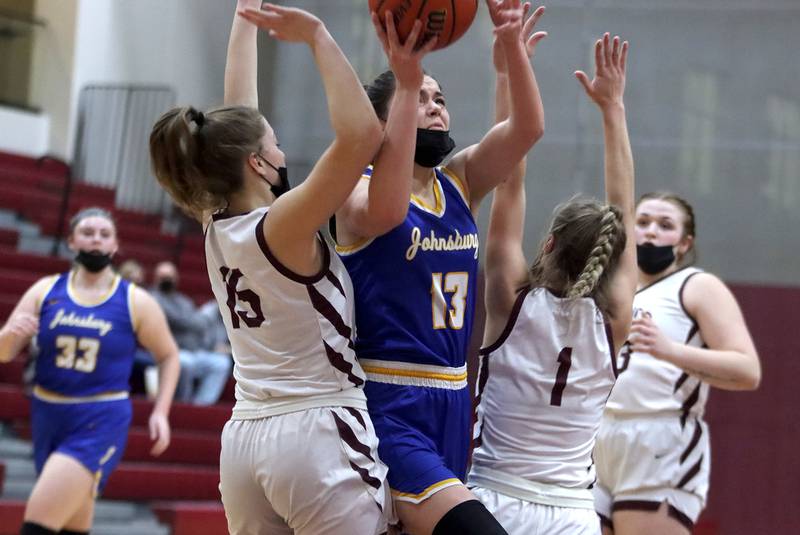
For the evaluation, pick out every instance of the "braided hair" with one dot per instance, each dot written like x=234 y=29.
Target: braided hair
x=588 y=239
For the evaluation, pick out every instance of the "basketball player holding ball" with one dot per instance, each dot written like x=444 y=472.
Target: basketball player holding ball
x=408 y=238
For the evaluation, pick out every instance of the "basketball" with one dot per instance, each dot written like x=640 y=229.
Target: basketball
x=446 y=19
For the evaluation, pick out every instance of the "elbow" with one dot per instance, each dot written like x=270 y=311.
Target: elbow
x=364 y=139
x=530 y=131
x=390 y=218
x=753 y=380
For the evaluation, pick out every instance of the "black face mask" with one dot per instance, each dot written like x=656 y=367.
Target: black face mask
x=283 y=175
x=166 y=285
x=432 y=147
x=654 y=259
x=93 y=262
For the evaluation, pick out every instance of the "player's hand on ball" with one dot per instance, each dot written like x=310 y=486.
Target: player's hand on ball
x=404 y=58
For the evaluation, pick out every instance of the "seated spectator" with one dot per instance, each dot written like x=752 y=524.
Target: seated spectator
x=208 y=368
x=132 y=271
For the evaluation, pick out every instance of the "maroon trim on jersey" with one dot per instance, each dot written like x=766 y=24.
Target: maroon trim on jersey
x=324 y=307
x=690 y=473
x=338 y=361
x=644 y=505
x=683 y=307
x=689 y=403
x=698 y=430
x=665 y=277
x=224 y=214
x=282 y=269
x=680 y=517
x=333 y=280
x=347 y=434
x=635 y=505
x=483 y=378
x=605 y=521
x=610 y=338
x=512 y=320
x=349 y=437
x=357 y=415
x=680 y=381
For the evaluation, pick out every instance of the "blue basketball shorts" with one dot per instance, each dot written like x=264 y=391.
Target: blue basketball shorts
x=93 y=433
x=424 y=436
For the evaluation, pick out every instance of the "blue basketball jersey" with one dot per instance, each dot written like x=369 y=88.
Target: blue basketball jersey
x=85 y=349
x=415 y=285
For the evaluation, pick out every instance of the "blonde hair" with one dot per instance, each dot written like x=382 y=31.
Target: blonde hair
x=91 y=211
x=588 y=239
x=198 y=158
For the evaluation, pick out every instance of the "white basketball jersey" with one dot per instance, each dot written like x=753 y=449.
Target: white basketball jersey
x=291 y=335
x=647 y=385
x=542 y=388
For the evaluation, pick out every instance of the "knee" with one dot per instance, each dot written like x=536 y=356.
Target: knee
x=469 y=518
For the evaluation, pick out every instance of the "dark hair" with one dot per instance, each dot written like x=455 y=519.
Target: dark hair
x=92 y=211
x=689 y=228
x=198 y=158
x=381 y=91
x=589 y=238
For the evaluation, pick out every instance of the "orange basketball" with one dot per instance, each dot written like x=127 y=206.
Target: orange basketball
x=446 y=19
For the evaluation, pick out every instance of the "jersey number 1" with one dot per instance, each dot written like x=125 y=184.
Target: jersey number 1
x=564 y=363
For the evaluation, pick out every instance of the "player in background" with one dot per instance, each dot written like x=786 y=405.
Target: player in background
x=87 y=323
x=547 y=366
x=299 y=454
x=653 y=453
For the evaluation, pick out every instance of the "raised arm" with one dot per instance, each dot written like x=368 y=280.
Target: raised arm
x=296 y=216
x=606 y=90
x=506 y=267
x=241 y=64
x=487 y=163
x=379 y=204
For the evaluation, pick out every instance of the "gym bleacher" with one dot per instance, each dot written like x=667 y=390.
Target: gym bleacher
x=174 y=493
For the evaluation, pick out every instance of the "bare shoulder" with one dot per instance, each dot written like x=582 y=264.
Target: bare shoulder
x=705 y=291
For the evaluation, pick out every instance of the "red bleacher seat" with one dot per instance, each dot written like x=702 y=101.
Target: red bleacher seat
x=154 y=481
x=8 y=238
x=11 y=514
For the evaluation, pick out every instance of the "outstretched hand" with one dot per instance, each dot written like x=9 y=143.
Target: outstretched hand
x=608 y=85
x=284 y=23
x=507 y=18
x=499 y=58
x=404 y=58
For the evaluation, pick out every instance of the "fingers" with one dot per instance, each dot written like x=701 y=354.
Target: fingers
x=376 y=23
x=598 y=55
x=584 y=80
x=533 y=19
x=615 y=50
x=391 y=31
x=411 y=40
x=429 y=45
x=606 y=49
x=533 y=40
x=623 y=58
